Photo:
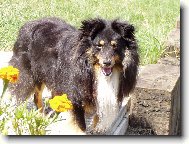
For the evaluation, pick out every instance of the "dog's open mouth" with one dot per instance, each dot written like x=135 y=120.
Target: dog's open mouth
x=107 y=71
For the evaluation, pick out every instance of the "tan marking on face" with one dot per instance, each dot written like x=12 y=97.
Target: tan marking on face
x=99 y=59
x=96 y=67
x=118 y=64
x=101 y=42
x=117 y=58
x=113 y=60
x=113 y=43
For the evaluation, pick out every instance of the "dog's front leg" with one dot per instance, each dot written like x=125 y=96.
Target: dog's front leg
x=79 y=116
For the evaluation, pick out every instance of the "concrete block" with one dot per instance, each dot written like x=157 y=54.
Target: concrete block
x=155 y=101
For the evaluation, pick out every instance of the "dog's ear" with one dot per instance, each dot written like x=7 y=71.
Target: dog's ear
x=90 y=28
x=125 y=29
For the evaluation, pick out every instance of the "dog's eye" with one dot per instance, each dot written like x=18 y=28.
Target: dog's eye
x=98 y=47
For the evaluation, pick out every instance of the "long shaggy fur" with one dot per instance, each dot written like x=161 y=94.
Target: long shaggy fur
x=51 y=52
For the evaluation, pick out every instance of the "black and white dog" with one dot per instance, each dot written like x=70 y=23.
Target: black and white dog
x=96 y=66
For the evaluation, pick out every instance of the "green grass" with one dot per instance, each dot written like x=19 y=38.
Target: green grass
x=153 y=19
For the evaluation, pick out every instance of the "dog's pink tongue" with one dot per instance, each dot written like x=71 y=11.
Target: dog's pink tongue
x=107 y=71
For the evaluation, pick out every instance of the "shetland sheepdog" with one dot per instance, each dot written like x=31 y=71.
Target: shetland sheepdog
x=95 y=65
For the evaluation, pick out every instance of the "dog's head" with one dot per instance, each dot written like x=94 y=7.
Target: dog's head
x=109 y=44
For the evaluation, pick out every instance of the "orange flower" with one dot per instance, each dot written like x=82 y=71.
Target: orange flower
x=61 y=103
x=9 y=73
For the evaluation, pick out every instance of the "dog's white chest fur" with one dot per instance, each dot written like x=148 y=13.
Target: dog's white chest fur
x=107 y=103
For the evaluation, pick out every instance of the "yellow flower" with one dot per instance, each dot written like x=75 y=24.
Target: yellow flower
x=9 y=73
x=61 y=103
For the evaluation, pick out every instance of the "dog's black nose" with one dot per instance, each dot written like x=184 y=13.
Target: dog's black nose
x=107 y=63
